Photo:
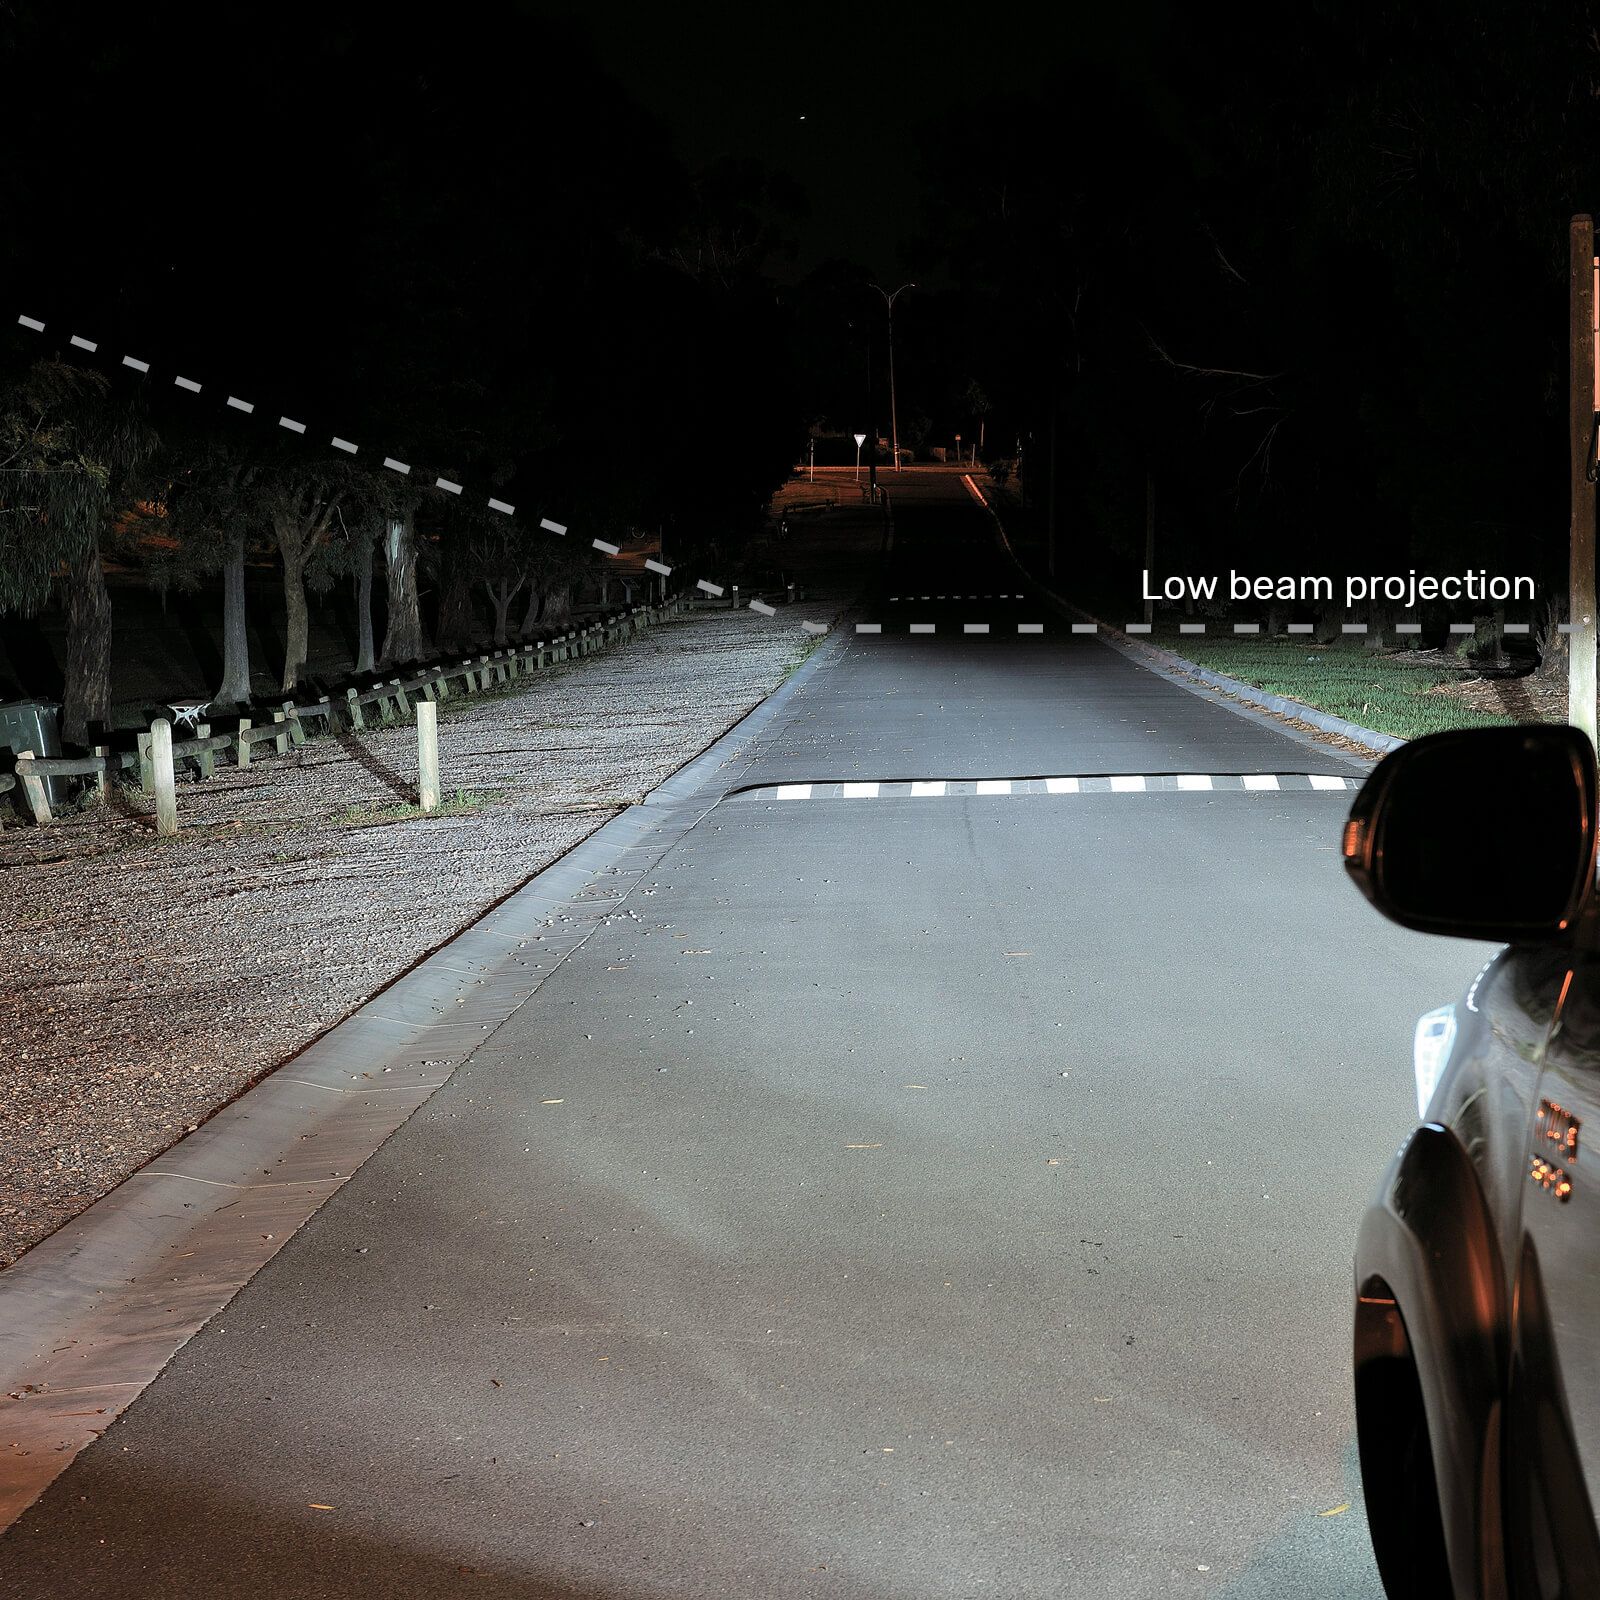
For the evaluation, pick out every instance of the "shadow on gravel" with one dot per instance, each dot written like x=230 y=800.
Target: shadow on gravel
x=386 y=775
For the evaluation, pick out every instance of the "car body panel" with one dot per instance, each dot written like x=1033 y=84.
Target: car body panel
x=1443 y=1241
x=1553 y=1446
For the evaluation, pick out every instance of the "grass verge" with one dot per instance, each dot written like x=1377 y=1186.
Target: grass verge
x=1404 y=693
x=462 y=803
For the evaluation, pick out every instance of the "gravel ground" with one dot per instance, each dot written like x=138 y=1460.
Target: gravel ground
x=149 y=981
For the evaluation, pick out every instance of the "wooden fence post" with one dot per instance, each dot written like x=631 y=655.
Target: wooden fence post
x=165 y=780
x=102 y=782
x=428 y=755
x=33 y=789
x=207 y=759
x=244 y=743
x=147 y=780
x=356 y=719
x=281 y=743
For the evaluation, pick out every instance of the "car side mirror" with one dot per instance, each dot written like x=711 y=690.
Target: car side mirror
x=1485 y=833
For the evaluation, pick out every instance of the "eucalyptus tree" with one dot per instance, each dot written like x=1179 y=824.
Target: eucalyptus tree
x=72 y=460
x=553 y=566
x=214 y=517
x=403 y=638
x=300 y=500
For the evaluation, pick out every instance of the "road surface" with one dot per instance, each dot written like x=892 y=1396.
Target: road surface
x=904 y=1195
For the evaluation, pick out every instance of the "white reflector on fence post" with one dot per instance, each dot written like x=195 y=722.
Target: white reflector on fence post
x=165 y=783
x=428 y=755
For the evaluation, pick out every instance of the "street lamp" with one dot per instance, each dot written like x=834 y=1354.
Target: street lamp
x=861 y=439
x=894 y=424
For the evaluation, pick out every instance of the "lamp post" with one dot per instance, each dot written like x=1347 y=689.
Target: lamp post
x=861 y=439
x=894 y=424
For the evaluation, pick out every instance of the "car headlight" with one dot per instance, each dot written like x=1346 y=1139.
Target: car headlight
x=1430 y=1049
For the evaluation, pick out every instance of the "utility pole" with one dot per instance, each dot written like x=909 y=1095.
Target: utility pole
x=1583 y=396
x=894 y=421
x=1149 y=540
x=1050 y=504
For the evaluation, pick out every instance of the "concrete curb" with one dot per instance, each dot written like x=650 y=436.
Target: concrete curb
x=1324 y=721
x=92 y=1313
x=1178 y=667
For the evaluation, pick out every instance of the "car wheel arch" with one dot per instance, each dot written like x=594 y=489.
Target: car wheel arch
x=1431 y=1311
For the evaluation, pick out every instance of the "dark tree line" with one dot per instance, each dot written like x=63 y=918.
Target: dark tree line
x=462 y=247
x=1298 y=271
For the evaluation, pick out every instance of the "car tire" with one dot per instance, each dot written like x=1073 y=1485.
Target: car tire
x=1397 y=1474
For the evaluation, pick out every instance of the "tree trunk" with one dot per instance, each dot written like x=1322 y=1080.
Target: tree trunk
x=300 y=517
x=235 y=689
x=530 y=617
x=86 y=699
x=297 y=634
x=402 y=639
x=364 y=651
x=558 y=605
x=455 y=602
x=501 y=595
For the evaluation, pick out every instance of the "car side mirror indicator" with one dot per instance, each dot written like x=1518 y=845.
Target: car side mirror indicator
x=1485 y=833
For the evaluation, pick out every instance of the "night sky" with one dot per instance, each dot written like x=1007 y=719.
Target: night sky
x=838 y=96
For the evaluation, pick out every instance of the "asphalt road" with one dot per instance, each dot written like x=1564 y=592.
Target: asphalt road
x=913 y=1197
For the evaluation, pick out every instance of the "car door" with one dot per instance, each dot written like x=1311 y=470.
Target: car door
x=1552 y=1456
